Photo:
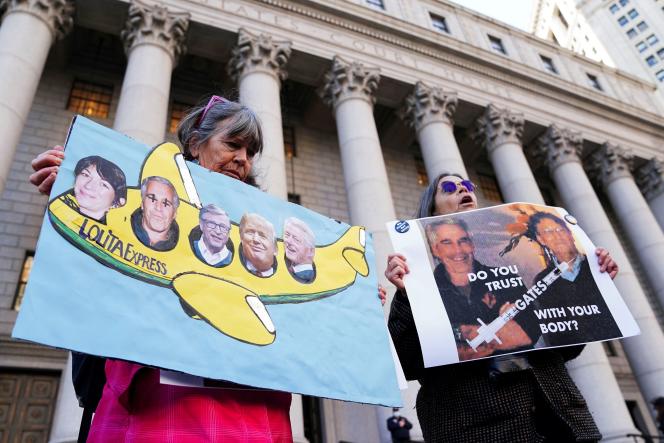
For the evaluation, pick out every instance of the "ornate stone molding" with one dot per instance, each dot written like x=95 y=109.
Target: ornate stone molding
x=650 y=178
x=57 y=14
x=259 y=52
x=498 y=126
x=558 y=146
x=156 y=25
x=427 y=104
x=610 y=162
x=349 y=80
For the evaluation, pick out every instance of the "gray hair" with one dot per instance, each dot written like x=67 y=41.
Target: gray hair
x=249 y=216
x=212 y=209
x=428 y=199
x=163 y=181
x=242 y=123
x=430 y=228
x=309 y=237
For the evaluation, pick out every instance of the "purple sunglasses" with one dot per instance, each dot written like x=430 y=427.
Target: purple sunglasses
x=213 y=100
x=450 y=186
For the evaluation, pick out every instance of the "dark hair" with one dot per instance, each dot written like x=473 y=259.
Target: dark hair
x=108 y=171
x=428 y=199
x=243 y=124
x=535 y=220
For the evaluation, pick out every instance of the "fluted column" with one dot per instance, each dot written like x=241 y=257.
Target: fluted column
x=561 y=150
x=154 y=39
x=650 y=178
x=429 y=111
x=499 y=131
x=257 y=64
x=28 y=30
x=349 y=88
x=612 y=165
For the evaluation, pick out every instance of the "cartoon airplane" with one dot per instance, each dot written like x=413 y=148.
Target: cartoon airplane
x=231 y=299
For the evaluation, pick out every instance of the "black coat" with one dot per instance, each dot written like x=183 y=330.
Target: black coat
x=463 y=403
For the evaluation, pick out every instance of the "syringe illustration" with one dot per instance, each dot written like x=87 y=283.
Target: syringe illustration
x=487 y=333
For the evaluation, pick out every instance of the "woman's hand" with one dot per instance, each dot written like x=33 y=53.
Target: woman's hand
x=396 y=270
x=606 y=262
x=382 y=294
x=46 y=167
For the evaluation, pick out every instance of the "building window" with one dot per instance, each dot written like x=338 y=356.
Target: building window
x=632 y=13
x=23 y=279
x=623 y=2
x=90 y=99
x=593 y=81
x=561 y=17
x=548 y=64
x=439 y=23
x=178 y=111
x=631 y=33
x=488 y=187
x=422 y=177
x=622 y=20
x=376 y=4
x=660 y=54
x=660 y=75
x=294 y=198
x=651 y=60
x=289 y=141
x=614 y=8
x=642 y=26
x=497 y=44
x=641 y=46
x=652 y=39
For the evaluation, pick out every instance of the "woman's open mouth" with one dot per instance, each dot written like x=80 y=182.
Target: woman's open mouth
x=466 y=199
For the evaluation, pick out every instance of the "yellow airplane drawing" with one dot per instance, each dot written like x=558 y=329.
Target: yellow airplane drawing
x=230 y=299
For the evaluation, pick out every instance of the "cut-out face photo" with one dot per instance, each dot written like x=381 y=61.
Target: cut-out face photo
x=154 y=222
x=99 y=185
x=259 y=247
x=212 y=245
x=299 y=247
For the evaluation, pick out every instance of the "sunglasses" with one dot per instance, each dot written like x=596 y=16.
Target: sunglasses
x=450 y=186
x=213 y=101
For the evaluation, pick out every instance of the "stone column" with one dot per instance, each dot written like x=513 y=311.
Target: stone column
x=561 y=151
x=349 y=88
x=611 y=165
x=257 y=64
x=67 y=415
x=28 y=29
x=500 y=131
x=429 y=111
x=153 y=39
x=650 y=178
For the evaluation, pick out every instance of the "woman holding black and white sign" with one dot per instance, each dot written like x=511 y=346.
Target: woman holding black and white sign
x=515 y=398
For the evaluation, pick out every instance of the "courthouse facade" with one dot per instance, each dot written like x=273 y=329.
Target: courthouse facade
x=361 y=102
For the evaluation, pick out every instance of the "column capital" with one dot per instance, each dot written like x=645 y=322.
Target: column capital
x=557 y=146
x=349 y=80
x=497 y=126
x=650 y=178
x=57 y=14
x=608 y=163
x=155 y=25
x=427 y=104
x=259 y=53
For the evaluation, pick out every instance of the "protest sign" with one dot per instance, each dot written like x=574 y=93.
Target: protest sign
x=148 y=258
x=506 y=279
